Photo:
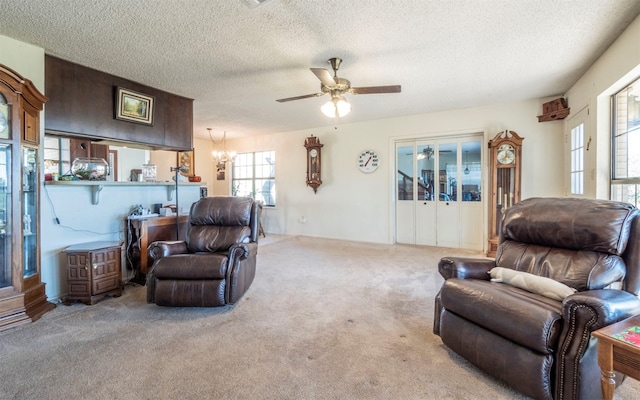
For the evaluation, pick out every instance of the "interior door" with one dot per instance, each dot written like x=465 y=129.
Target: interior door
x=470 y=189
x=439 y=192
x=405 y=188
x=578 y=162
x=425 y=204
x=447 y=206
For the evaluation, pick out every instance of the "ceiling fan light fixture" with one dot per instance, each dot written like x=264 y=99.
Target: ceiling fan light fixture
x=427 y=153
x=337 y=107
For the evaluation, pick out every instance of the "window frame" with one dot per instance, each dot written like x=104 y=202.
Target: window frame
x=255 y=174
x=626 y=183
x=577 y=158
x=57 y=159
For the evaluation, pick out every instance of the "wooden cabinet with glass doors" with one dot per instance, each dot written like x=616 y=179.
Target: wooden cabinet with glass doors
x=22 y=294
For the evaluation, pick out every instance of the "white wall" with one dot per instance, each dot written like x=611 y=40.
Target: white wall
x=355 y=206
x=25 y=59
x=616 y=68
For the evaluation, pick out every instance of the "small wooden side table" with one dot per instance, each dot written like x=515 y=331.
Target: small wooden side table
x=93 y=271
x=616 y=354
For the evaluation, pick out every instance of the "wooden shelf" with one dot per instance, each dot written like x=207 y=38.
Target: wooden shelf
x=554 y=110
x=97 y=186
x=554 y=116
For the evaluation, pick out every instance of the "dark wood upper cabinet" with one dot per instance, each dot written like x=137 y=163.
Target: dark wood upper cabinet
x=82 y=104
x=79 y=148
x=99 y=151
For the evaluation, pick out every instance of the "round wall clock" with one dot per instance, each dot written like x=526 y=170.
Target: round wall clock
x=368 y=161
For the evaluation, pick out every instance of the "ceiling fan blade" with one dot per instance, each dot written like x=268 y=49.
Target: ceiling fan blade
x=375 y=89
x=324 y=76
x=306 y=96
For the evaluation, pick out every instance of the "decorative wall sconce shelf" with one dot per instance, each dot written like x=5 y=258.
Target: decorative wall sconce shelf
x=554 y=110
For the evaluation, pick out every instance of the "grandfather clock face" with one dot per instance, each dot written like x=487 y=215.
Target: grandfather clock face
x=506 y=154
x=314 y=162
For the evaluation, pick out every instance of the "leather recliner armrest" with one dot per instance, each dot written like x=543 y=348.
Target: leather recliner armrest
x=607 y=306
x=165 y=248
x=465 y=268
x=241 y=270
x=462 y=268
x=583 y=313
x=241 y=251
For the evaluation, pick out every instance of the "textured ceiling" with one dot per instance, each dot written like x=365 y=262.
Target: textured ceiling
x=235 y=60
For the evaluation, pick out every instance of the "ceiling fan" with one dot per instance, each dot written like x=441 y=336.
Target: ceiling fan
x=338 y=106
x=427 y=153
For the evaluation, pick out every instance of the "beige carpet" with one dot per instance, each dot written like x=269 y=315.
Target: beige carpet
x=324 y=319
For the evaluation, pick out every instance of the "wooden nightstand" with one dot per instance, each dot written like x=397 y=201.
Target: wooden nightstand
x=616 y=354
x=94 y=271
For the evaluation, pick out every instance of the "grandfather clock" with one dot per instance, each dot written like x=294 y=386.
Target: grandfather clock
x=505 y=154
x=314 y=172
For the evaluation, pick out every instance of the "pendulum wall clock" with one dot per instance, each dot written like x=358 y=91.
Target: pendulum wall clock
x=314 y=161
x=505 y=153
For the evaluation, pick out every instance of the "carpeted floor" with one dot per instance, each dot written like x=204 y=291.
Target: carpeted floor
x=324 y=319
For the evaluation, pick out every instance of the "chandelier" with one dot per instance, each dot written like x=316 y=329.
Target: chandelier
x=466 y=160
x=224 y=156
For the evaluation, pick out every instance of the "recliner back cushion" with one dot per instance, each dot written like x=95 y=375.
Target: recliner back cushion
x=212 y=238
x=595 y=225
x=229 y=210
x=579 y=269
x=216 y=223
x=573 y=241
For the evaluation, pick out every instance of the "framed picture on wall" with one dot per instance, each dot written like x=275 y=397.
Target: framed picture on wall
x=220 y=171
x=186 y=163
x=134 y=107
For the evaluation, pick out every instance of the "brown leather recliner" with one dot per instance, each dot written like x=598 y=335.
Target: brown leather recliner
x=215 y=264
x=541 y=344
